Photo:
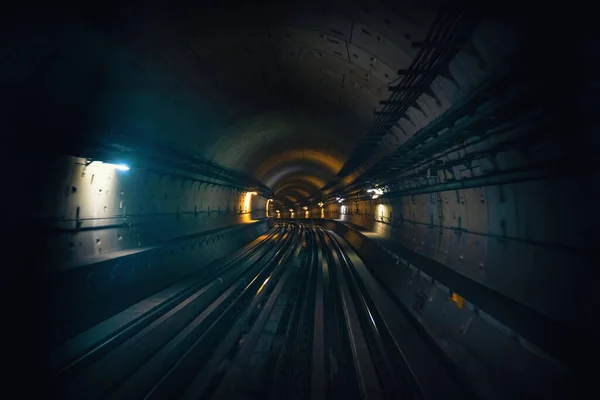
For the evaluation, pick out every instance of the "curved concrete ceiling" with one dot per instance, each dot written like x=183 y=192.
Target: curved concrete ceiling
x=306 y=80
x=280 y=92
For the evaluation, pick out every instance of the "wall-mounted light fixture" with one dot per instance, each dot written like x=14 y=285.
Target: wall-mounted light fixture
x=248 y=201
x=376 y=192
x=120 y=167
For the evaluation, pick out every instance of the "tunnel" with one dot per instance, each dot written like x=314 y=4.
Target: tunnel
x=360 y=199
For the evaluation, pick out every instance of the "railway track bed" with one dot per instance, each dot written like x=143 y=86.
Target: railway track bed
x=295 y=314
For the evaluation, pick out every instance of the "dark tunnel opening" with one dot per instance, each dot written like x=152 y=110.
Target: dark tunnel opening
x=361 y=199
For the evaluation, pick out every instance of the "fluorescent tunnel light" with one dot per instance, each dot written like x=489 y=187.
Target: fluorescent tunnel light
x=377 y=192
x=120 y=167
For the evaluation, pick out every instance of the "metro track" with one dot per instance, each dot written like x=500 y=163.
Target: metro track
x=289 y=316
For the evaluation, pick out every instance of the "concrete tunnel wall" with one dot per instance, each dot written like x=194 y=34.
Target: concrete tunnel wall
x=517 y=239
x=113 y=237
x=526 y=238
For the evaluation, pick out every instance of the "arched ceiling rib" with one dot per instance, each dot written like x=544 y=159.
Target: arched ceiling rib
x=307 y=183
x=296 y=192
x=271 y=169
x=303 y=182
x=261 y=141
x=297 y=187
x=294 y=170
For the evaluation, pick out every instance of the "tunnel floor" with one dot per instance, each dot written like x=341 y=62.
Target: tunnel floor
x=295 y=314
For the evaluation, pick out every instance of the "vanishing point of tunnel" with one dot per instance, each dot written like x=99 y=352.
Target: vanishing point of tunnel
x=359 y=199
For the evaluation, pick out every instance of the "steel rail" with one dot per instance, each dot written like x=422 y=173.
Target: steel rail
x=201 y=350
x=112 y=369
x=234 y=379
x=368 y=379
x=294 y=353
x=67 y=364
x=396 y=377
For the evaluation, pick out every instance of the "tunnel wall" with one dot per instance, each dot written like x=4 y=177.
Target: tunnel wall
x=113 y=237
x=519 y=239
x=523 y=238
x=527 y=238
x=89 y=213
x=485 y=354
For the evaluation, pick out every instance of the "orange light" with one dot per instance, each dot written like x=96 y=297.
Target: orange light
x=329 y=161
x=460 y=302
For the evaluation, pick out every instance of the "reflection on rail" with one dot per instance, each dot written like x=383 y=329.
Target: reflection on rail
x=292 y=315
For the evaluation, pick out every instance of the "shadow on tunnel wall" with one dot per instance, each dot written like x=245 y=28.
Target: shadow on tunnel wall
x=48 y=111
